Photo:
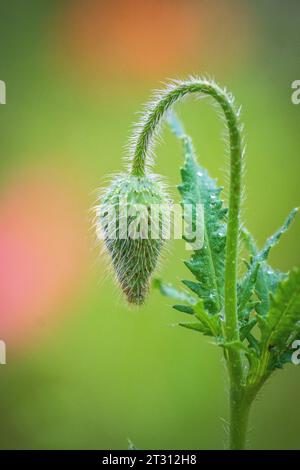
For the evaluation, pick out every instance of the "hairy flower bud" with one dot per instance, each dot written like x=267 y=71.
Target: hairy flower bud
x=131 y=218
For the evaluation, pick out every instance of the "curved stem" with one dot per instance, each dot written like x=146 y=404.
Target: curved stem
x=142 y=146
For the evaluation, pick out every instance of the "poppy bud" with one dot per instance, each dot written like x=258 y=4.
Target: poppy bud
x=131 y=218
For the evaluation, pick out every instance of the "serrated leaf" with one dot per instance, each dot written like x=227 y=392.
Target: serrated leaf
x=274 y=239
x=206 y=263
x=193 y=286
x=245 y=291
x=281 y=325
x=210 y=321
x=207 y=324
x=266 y=283
x=267 y=278
x=259 y=275
x=284 y=313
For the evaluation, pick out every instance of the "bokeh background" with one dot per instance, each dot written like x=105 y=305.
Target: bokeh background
x=83 y=370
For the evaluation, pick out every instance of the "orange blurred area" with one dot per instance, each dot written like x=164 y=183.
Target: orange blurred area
x=152 y=39
x=43 y=251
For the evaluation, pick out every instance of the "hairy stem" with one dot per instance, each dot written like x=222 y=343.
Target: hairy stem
x=142 y=145
x=240 y=405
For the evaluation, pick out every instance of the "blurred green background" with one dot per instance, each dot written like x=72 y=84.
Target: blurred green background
x=83 y=370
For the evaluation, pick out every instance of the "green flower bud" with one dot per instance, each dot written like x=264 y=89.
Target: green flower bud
x=131 y=217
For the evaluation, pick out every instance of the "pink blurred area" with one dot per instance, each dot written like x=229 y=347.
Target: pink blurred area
x=43 y=250
x=153 y=38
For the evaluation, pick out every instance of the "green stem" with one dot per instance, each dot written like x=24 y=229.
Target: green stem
x=240 y=405
x=142 y=146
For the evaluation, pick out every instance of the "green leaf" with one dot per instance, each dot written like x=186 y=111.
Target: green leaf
x=281 y=325
x=284 y=314
x=250 y=353
x=267 y=278
x=263 y=326
x=210 y=321
x=235 y=346
x=196 y=326
x=249 y=241
x=246 y=290
x=170 y=291
x=266 y=283
x=207 y=324
x=206 y=263
x=260 y=276
x=246 y=328
x=184 y=309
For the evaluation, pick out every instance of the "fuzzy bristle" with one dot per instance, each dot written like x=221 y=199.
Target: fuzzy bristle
x=134 y=258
